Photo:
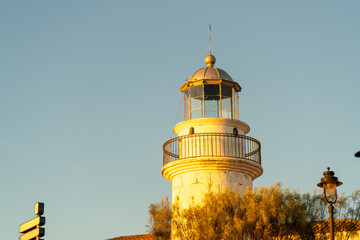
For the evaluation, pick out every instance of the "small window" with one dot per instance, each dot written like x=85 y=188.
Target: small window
x=191 y=131
x=235 y=132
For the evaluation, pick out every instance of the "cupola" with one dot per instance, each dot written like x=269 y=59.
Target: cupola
x=210 y=93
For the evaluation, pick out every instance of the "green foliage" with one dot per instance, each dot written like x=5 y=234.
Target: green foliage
x=160 y=220
x=263 y=213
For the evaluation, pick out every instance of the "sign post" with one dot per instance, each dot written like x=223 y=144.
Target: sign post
x=32 y=229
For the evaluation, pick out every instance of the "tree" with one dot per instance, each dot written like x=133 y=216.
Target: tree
x=160 y=219
x=346 y=211
x=265 y=213
x=349 y=210
x=262 y=213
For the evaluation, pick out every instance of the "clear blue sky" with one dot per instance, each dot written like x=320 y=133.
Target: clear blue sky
x=89 y=92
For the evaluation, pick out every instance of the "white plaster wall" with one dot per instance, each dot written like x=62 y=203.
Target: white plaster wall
x=190 y=187
x=209 y=128
x=211 y=125
x=213 y=146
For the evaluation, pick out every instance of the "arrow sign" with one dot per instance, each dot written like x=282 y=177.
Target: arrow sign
x=29 y=225
x=37 y=232
x=39 y=208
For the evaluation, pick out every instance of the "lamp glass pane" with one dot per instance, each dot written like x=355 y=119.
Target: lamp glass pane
x=226 y=101
x=330 y=189
x=186 y=105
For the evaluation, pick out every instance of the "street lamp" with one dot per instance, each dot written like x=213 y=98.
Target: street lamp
x=329 y=183
x=357 y=154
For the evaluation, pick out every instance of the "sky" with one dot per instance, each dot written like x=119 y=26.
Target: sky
x=89 y=92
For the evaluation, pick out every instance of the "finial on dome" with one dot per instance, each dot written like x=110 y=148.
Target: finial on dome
x=209 y=39
x=210 y=60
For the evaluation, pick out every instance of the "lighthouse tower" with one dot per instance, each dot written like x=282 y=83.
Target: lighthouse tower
x=212 y=152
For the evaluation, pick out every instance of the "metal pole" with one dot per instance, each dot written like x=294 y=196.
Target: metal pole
x=331 y=210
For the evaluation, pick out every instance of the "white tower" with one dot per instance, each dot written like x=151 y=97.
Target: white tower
x=212 y=151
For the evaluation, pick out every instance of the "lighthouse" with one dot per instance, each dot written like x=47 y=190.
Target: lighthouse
x=212 y=151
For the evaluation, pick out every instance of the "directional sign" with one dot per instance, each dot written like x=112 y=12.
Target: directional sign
x=37 y=232
x=33 y=223
x=39 y=208
x=32 y=229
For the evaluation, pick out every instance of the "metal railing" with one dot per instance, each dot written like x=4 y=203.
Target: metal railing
x=212 y=145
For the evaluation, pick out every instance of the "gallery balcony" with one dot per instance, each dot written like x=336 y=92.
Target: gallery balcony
x=212 y=145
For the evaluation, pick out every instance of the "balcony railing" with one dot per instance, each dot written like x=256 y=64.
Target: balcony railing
x=212 y=145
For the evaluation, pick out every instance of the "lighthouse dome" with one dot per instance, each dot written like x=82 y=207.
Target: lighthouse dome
x=210 y=72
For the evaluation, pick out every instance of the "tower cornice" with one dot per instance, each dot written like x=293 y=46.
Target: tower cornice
x=244 y=166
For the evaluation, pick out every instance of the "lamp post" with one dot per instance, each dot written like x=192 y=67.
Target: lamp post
x=329 y=183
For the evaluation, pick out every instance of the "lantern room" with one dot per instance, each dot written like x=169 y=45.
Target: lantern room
x=210 y=92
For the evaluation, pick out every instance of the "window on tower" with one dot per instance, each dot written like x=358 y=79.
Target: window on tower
x=191 y=131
